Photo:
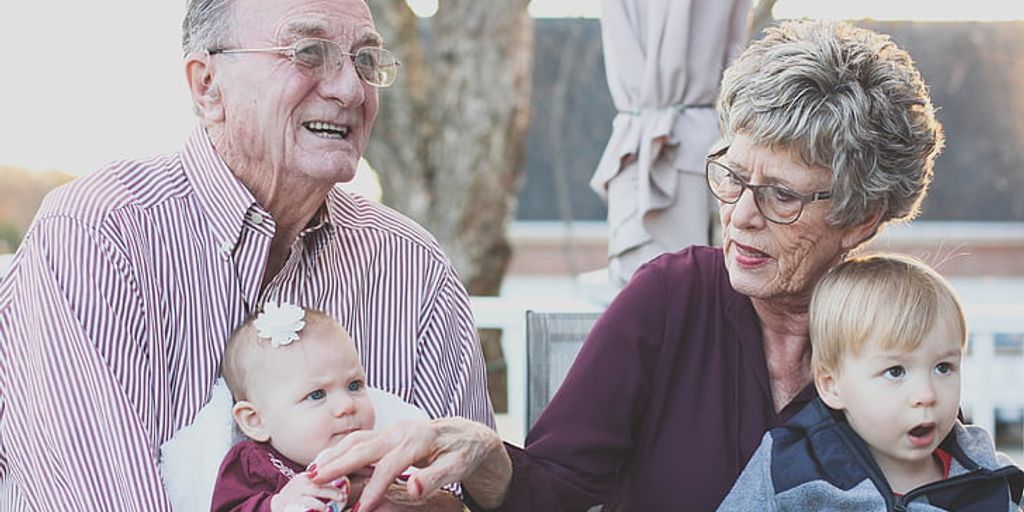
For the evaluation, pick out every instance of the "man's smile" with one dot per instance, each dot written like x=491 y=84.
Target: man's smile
x=327 y=129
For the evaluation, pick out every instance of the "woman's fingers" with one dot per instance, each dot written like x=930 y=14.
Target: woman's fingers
x=444 y=470
x=415 y=444
x=356 y=451
x=447 y=450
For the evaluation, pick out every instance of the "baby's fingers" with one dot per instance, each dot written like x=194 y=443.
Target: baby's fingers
x=304 y=503
x=337 y=491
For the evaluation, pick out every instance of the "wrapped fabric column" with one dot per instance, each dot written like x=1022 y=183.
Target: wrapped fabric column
x=664 y=60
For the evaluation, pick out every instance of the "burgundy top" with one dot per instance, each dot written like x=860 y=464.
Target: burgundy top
x=250 y=475
x=665 y=403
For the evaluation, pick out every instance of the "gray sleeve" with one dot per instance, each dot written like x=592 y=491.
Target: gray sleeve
x=754 y=489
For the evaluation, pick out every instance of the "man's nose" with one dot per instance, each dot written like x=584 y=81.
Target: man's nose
x=341 y=82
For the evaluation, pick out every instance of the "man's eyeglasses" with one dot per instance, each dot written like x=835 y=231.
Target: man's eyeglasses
x=376 y=66
x=777 y=204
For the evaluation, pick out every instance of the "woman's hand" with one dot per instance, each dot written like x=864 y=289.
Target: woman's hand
x=446 y=450
x=397 y=499
x=301 y=493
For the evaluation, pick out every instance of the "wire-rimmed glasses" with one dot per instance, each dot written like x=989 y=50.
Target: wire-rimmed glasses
x=376 y=66
x=777 y=204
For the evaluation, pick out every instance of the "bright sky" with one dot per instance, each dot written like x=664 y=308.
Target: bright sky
x=103 y=80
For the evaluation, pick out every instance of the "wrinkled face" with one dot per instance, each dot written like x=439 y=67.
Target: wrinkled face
x=903 y=404
x=312 y=393
x=767 y=260
x=279 y=115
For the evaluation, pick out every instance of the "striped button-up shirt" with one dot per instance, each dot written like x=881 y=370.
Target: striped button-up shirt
x=118 y=303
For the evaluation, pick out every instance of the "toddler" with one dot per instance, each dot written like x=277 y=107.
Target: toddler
x=888 y=336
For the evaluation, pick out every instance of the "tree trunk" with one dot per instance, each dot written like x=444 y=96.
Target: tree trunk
x=450 y=136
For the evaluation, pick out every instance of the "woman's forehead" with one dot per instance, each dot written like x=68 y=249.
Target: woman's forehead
x=775 y=165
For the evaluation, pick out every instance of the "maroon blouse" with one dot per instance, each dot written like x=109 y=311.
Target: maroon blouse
x=250 y=475
x=667 y=400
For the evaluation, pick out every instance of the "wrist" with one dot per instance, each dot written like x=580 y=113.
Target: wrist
x=489 y=475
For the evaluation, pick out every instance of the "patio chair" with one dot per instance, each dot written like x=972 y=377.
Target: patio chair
x=552 y=341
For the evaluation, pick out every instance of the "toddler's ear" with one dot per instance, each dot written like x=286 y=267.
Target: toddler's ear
x=249 y=420
x=825 y=382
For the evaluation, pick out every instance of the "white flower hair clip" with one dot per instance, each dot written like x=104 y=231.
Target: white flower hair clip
x=280 y=323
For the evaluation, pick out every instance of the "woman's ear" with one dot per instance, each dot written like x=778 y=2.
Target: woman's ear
x=855 y=236
x=204 y=89
x=249 y=420
x=825 y=382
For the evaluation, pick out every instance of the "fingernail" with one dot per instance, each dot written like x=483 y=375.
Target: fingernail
x=355 y=508
x=417 y=487
x=341 y=483
x=311 y=468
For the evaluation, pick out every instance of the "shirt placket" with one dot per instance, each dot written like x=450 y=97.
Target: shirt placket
x=250 y=256
x=285 y=287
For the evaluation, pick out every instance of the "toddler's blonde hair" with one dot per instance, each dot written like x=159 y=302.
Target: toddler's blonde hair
x=890 y=300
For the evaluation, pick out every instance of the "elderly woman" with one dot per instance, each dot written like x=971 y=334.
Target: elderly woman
x=828 y=135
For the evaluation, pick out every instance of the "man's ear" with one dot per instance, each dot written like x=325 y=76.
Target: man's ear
x=825 y=382
x=204 y=89
x=249 y=420
x=864 y=230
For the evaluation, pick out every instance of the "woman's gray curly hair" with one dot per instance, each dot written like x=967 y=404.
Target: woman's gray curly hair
x=844 y=98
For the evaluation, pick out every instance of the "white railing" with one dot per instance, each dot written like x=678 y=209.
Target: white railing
x=993 y=376
x=5 y=261
x=993 y=379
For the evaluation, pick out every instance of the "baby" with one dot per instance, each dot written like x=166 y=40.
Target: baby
x=298 y=388
x=888 y=336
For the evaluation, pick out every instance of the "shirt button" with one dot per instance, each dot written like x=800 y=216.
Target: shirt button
x=225 y=247
x=256 y=218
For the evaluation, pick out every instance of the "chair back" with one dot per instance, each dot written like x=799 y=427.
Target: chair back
x=552 y=342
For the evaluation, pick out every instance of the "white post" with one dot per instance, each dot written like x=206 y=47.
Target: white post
x=495 y=313
x=983 y=408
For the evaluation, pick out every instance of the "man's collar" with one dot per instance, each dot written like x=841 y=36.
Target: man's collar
x=321 y=220
x=224 y=198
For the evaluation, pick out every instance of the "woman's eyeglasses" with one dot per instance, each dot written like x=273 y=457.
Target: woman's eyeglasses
x=777 y=204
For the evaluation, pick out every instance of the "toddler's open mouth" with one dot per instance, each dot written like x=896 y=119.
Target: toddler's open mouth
x=922 y=435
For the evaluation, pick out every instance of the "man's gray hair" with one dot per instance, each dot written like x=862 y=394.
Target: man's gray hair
x=844 y=98
x=206 y=25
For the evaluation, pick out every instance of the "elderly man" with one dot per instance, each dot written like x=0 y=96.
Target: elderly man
x=117 y=306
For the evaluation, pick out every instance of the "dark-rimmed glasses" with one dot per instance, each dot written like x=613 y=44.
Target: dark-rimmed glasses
x=376 y=66
x=777 y=204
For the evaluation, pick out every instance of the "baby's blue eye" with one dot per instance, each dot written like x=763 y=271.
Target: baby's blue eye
x=355 y=385
x=317 y=395
x=895 y=372
x=943 y=368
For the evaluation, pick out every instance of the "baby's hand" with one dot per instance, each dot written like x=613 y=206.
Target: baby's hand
x=301 y=494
